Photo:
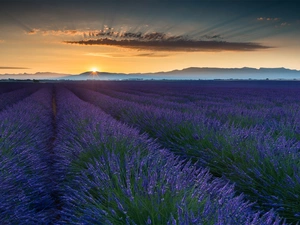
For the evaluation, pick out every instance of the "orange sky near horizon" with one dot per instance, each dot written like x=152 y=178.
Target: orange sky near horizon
x=62 y=58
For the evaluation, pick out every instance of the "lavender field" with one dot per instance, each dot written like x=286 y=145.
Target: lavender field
x=150 y=152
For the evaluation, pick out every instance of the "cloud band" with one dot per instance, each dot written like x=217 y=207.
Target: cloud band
x=12 y=68
x=180 y=45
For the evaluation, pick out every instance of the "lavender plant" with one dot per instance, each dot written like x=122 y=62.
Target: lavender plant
x=113 y=175
x=262 y=163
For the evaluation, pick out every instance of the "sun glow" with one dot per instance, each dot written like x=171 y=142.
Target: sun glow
x=94 y=69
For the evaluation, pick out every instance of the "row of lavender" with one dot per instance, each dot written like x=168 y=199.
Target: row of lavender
x=275 y=109
x=25 y=173
x=262 y=161
x=14 y=94
x=111 y=174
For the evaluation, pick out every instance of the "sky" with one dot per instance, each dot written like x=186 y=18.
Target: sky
x=72 y=37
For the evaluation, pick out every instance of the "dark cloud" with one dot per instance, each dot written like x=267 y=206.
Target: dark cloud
x=159 y=41
x=213 y=36
x=118 y=55
x=137 y=35
x=12 y=68
x=152 y=54
x=147 y=36
x=177 y=45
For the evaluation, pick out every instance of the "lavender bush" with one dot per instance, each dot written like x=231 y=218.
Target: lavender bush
x=260 y=159
x=113 y=175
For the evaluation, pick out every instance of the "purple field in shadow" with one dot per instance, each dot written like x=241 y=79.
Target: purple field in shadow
x=150 y=152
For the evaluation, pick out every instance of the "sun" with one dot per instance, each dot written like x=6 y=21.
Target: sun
x=94 y=69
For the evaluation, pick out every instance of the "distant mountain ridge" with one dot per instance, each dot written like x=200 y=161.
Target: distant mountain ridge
x=221 y=70
x=194 y=73
x=37 y=75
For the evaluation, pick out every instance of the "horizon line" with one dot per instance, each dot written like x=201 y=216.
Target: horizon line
x=64 y=73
